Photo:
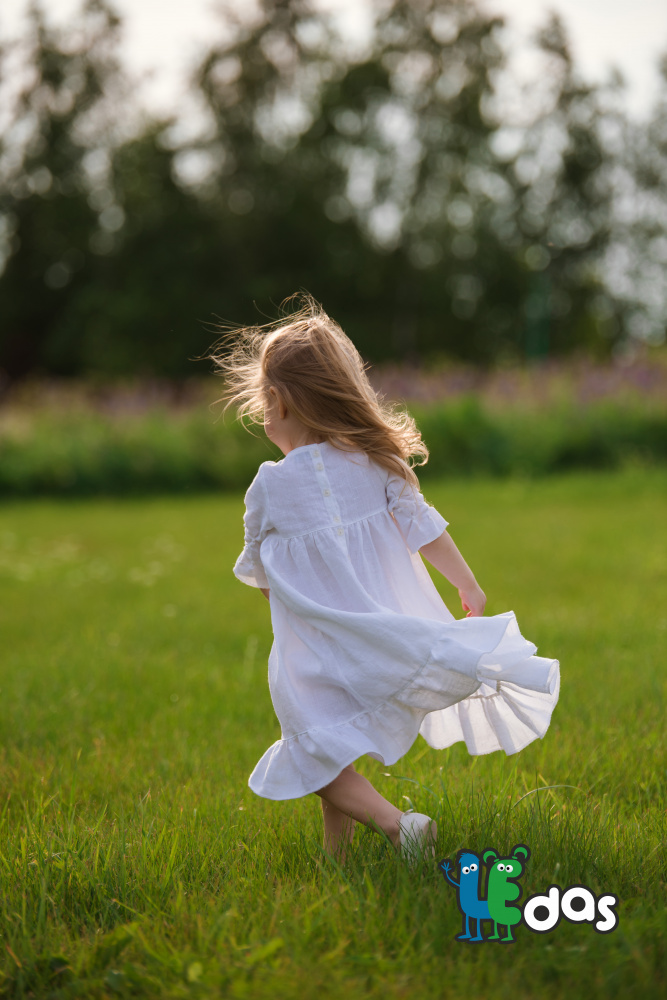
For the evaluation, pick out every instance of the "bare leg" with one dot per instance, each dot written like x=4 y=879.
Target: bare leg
x=353 y=795
x=338 y=830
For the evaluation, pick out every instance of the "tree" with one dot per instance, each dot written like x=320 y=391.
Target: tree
x=564 y=197
x=388 y=198
x=47 y=214
x=379 y=200
x=376 y=178
x=636 y=262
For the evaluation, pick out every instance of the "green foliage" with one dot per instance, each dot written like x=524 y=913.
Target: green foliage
x=156 y=453
x=467 y=439
x=380 y=181
x=76 y=453
x=136 y=862
x=46 y=216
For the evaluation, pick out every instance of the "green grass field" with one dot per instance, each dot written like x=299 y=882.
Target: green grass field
x=134 y=860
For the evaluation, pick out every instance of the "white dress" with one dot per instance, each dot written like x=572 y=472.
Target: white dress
x=365 y=653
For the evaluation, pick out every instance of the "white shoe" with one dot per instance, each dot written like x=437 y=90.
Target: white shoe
x=417 y=833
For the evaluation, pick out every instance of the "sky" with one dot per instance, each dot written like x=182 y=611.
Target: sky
x=162 y=38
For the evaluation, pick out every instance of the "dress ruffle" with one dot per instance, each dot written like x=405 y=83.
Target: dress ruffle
x=482 y=683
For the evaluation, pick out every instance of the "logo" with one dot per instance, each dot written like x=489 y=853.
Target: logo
x=541 y=912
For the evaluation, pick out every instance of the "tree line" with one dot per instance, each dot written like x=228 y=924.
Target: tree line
x=390 y=183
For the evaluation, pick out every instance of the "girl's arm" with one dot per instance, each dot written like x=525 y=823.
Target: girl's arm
x=444 y=555
x=265 y=591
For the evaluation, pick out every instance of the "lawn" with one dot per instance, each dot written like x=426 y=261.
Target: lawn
x=134 y=860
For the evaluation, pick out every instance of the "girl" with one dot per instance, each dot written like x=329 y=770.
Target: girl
x=365 y=653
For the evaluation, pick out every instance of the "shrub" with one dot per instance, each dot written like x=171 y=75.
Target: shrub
x=71 y=453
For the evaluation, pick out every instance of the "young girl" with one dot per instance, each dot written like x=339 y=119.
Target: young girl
x=365 y=653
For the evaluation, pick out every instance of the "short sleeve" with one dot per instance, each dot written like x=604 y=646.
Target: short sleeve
x=248 y=567
x=419 y=522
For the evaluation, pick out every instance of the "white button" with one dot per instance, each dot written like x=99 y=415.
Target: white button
x=327 y=493
x=319 y=466
x=336 y=518
x=316 y=453
x=340 y=531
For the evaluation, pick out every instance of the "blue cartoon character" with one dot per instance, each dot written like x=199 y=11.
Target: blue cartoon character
x=467 y=893
x=502 y=889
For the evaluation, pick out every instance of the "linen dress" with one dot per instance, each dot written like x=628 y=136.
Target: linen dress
x=366 y=655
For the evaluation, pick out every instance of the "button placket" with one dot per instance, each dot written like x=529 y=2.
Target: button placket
x=329 y=501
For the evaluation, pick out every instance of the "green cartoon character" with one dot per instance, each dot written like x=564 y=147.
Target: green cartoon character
x=502 y=889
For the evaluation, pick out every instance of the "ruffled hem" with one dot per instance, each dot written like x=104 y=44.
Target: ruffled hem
x=504 y=702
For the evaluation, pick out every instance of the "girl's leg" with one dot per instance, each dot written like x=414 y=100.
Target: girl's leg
x=338 y=830
x=353 y=795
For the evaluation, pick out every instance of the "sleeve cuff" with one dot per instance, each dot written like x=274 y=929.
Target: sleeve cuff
x=425 y=529
x=248 y=569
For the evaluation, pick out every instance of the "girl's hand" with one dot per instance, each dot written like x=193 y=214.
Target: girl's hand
x=473 y=600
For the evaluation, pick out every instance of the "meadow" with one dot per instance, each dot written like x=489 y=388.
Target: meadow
x=134 y=860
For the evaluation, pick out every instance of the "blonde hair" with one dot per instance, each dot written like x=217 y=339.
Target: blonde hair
x=321 y=377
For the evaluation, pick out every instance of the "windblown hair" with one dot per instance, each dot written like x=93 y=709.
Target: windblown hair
x=321 y=377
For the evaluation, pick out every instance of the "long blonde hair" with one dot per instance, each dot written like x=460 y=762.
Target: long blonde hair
x=321 y=377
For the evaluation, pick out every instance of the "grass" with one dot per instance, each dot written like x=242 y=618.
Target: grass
x=134 y=860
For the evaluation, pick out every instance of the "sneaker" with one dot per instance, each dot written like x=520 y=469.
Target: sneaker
x=417 y=833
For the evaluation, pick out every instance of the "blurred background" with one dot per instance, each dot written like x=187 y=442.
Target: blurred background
x=485 y=217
